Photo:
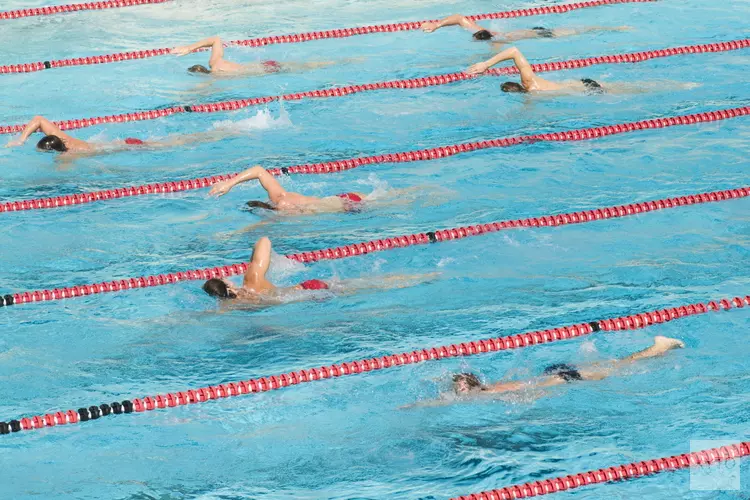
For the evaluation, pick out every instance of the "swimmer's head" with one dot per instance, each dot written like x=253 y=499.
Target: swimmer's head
x=513 y=87
x=199 y=68
x=466 y=382
x=482 y=35
x=219 y=288
x=260 y=204
x=51 y=143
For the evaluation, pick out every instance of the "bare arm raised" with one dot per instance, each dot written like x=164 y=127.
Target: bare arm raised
x=527 y=73
x=454 y=20
x=43 y=124
x=217 y=50
x=268 y=181
x=255 y=276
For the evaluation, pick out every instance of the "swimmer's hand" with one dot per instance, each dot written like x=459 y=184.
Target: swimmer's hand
x=429 y=27
x=12 y=144
x=478 y=68
x=181 y=51
x=221 y=188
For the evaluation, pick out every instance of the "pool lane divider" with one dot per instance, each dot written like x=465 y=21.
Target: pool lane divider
x=64 y=9
x=412 y=83
x=379 y=245
x=299 y=37
x=403 y=157
x=632 y=470
x=469 y=348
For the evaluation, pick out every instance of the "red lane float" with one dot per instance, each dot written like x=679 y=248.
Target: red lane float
x=379 y=245
x=341 y=165
x=414 y=83
x=74 y=7
x=304 y=37
x=469 y=348
x=617 y=473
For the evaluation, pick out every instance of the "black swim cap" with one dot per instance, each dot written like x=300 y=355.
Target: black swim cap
x=513 y=87
x=198 y=68
x=217 y=288
x=52 y=143
x=482 y=35
x=260 y=204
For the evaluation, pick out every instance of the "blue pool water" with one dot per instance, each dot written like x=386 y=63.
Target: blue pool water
x=349 y=438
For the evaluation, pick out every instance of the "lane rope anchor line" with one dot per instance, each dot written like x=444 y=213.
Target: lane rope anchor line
x=64 y=9
x=407 y=84
x=351 y=163
x=469 y=348
x=379 y=245
x=304 y=37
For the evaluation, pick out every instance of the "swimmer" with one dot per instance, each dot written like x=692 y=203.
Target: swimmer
x=219 y=65
x=468 y=385
x=530 y=82
x=55 y=140
x=257 y=290
x=482 y=34
x=284 y=201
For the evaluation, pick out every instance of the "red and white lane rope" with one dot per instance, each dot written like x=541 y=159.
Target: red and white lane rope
x=413 y=83
x=303 y=37
x=379 y=245
x=617 y=473
x=351 y=163
x=73 y=7
x=469 y=348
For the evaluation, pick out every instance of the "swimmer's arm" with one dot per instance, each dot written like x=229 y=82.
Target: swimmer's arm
x=455 y=19
x=502 y=387
x=427 y=404
x=268 y=181
x=558 y=32
x=217 y=49
x=527 y=73
x=43 y=124
x=259 y=262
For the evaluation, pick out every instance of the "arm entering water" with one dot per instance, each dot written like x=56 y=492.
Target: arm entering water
x=39 y=123
x=217 y=49
x=455 y=19
x=268 y=181
x=524 y=68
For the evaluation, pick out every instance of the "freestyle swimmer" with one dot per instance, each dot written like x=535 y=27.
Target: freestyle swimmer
x=257 y=290
x=218 y=65
x=530 y=82
x=482 y=34
x=286 y=201
x=55 y=140
x=468 y=385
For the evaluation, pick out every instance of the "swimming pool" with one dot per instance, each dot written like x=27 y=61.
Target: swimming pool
x=348 y=438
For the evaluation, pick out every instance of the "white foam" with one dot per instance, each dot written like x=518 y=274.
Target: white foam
x=445 y=261
x=588 y=347
x=379 y=187
x=263 y=120
x=281 y=267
